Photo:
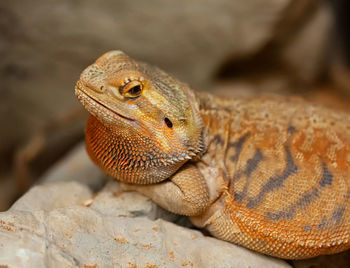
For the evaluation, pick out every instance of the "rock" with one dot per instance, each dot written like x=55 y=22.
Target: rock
x=62 y=223
x=305 y=53
x=294 y=60
x=48 y=197
x=76 y=166
x=65 y=225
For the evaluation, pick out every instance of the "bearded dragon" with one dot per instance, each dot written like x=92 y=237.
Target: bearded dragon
x=271 y=174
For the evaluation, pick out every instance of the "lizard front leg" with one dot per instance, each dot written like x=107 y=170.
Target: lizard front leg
x=185 y=193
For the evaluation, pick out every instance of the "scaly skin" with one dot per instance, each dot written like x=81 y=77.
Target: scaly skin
x=270 y=174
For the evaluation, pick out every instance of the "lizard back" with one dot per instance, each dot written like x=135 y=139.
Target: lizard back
x=287 y=168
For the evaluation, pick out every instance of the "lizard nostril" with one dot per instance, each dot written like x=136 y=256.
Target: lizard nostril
x=168 y=122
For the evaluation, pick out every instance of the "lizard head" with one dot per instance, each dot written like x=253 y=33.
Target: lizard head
x=144 y=124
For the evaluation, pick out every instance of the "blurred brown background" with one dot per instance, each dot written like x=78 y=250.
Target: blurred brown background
x=231 y=47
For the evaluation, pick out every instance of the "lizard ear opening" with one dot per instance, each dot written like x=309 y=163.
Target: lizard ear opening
x=168 y=122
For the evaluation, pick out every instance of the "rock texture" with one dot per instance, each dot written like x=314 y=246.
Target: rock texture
x=63 y=224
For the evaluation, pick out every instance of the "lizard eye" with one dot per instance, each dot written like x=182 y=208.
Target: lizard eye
x=132 y=89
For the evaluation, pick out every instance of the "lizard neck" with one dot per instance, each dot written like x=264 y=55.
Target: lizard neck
x=128 y=156
x=217 y=115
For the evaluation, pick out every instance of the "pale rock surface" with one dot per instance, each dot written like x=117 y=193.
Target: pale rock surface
x=64 y=224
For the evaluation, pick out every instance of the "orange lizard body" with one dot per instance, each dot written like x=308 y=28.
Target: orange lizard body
x=270 y=174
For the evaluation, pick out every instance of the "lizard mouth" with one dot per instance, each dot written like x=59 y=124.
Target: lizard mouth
x=80 y=92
